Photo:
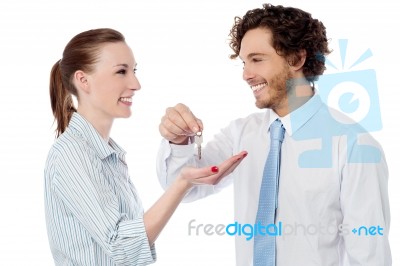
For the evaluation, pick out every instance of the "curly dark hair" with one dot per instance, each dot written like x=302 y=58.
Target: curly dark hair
x=293 y=30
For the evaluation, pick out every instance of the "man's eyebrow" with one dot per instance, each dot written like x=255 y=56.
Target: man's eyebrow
x=255 y=54
x=251 y=55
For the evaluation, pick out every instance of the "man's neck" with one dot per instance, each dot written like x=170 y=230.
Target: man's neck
x=296 y=97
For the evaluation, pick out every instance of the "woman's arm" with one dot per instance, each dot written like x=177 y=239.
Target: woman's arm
x=158 y=215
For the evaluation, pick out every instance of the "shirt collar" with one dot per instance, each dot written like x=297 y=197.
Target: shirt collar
x=86 y=130
x=296 y=119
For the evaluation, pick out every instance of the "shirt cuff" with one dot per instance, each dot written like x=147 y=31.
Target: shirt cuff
x=182 y=150
x=134 y=242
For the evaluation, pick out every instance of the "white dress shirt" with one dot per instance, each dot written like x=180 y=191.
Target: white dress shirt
x=329 y=185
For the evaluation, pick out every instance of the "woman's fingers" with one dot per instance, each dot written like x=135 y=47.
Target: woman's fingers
x=213 y=174
x=230 y=165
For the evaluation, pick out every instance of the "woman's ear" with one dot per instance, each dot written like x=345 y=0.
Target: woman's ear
x=296 y=61
x=81 y=81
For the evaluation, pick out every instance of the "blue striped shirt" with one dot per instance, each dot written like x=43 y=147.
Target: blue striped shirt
x=93 y=213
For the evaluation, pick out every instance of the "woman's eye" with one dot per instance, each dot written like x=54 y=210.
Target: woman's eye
x=256 y=60
x=122 y=71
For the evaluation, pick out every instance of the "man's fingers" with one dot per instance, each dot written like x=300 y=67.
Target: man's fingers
x=174 y=118
x=200 y=124
x=173 y=127
x=179 y=123
x=191 y=122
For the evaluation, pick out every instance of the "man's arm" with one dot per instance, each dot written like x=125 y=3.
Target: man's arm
x=365 y=206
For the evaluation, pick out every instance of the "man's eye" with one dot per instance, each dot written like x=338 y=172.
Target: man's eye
x=122 y=71
x=257 y=60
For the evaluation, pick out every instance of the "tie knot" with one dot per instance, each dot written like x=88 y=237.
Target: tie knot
x=277 y=131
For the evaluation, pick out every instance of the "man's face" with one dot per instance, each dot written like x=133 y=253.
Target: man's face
x=264 y=70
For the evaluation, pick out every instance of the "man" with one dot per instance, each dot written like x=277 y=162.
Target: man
x=328 y=179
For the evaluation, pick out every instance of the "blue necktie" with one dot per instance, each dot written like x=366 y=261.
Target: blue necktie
x=264 y=245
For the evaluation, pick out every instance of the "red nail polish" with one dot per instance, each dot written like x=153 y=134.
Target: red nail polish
x=244 y=155
x=214 y=169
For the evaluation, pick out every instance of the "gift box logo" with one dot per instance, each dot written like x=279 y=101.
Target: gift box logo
x=350 y=94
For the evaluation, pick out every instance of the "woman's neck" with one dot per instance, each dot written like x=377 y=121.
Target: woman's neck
x=100 y=123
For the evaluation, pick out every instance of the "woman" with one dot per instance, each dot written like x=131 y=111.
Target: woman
x=93 y=213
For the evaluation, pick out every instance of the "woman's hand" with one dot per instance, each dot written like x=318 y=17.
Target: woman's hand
x=159 y=214
x=211 y=175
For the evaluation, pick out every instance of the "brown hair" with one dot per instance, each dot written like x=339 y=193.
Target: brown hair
x=81 y=53
x=292 y=30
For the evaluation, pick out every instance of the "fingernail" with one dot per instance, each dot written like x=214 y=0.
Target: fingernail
x=214 y=169
x=195 y=129
x=244 y=155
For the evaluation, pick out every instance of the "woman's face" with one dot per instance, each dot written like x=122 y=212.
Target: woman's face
x=113 y=82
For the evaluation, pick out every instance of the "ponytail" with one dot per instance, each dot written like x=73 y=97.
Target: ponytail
x=61 y=100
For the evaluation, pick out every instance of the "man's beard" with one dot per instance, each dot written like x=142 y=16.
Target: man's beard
x=278 y=89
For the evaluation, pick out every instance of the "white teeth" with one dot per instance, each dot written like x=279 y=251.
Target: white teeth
x=125 y=99
x=258 y=86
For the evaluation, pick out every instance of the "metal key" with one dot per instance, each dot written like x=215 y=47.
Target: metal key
x=198 y=139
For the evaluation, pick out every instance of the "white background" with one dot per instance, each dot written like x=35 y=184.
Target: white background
x=182 y=53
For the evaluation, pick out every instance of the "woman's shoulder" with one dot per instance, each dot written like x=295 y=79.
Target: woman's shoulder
x=71 y=156
x=70 y=144
x=70 y=149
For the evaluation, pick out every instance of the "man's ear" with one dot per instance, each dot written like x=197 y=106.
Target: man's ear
x=296 y=61
x=81 y=81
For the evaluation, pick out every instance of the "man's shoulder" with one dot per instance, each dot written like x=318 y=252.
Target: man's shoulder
x=338 y=122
